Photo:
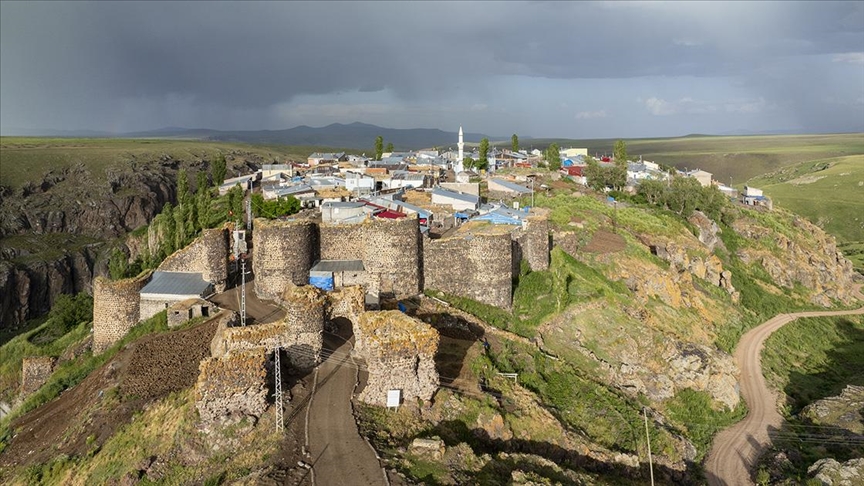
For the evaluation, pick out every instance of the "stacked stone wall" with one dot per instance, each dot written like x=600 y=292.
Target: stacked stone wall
x=389 y=249
x=476 y=266
x=400 y=355
x=347 y=302
x=116 y=309
x=533 y=242
x=207 y=255
x=35 y=371
x=299 y=333
x=282 y=254
x=234 y=385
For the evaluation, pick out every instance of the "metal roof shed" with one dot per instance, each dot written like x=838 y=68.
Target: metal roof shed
x=175 y=286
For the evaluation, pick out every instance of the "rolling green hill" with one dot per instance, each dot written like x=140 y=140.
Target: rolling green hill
x=740 y=158
x=829 y=192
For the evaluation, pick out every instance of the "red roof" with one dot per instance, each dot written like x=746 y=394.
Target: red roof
x=575 y=170
x=390 y=214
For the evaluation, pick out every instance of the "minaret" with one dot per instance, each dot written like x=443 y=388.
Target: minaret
x=457 y=167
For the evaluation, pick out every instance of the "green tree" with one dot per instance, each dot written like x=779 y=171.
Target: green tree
x=69 y=311
x=201 y=182
x=182 y=186
x=620 y=151
x=204 y=203
x=514 y=143
x=390 y=147
x=180 y=228
x=553 y=157
x=219 y=170
x=118 y=265
x=285 y=206
x=235 y=203
x=484 y=151
x=653 y=191
x=165 y=228
x=379 y=147
x=468 y=162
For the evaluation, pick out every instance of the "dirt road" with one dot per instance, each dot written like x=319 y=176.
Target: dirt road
x=339 y=455
x=736 y=449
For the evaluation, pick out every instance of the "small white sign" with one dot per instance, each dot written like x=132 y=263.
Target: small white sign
x=393 y=398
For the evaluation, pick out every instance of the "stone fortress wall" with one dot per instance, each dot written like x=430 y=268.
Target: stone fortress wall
x=116 y=309
x=476 y=266
x=282 y=253
x=35 y=371
x=534 y=243
x=400 y=355
x=207 y=254
x=389 y=249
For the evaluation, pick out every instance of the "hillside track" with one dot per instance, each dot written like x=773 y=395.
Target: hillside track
x=736 y=449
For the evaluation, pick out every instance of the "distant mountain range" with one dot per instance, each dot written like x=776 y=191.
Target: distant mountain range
x=353 y=135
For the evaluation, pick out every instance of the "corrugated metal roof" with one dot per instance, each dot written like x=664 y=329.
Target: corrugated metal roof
x=176 y=283
x=512 y=186
x=459 y=196
x=338 y=266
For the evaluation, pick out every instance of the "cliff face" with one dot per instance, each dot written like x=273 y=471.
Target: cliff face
x=29 y=290
x=804 y=256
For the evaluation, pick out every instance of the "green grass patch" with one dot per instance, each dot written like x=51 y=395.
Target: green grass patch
x=813 y=358
x=829 y=192
x=695 y=412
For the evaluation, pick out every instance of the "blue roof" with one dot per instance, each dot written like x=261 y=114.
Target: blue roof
x=512 y=186
x=496 y=217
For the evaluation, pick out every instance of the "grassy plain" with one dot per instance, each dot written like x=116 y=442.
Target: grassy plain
x=740 y=157
x=24 y=159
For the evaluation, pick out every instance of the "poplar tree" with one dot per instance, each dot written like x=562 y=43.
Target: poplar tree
x=514 y=143
x=390 y=147
x=484 y=152
x=182 y=186
x=379 y=147
x=219 y=170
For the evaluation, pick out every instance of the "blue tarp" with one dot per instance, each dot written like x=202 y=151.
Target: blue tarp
x=461 y=215
x=402 y=307
x=323 y=283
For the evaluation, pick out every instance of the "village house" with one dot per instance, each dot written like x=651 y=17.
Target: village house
x=323 y=158
x=345 y=212
x=459 y=201
x=504 y=188
x=702 y=176
x=168 y=288
x=754 y=197
x=245 y=182
x=358 y=183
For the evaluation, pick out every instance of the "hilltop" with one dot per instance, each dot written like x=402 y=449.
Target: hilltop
x=639 y=308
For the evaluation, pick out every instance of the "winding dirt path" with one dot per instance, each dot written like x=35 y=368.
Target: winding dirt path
x=736 y=449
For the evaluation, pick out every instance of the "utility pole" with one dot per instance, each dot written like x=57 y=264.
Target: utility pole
x=277 y=374
x=648 y=440
x=243 y=289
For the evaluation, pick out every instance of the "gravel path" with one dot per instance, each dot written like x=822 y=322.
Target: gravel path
x=736 y=449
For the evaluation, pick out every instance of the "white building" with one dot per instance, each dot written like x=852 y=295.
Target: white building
x=459 y=201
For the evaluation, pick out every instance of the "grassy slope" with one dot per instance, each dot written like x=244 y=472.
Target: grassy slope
x=25 y=159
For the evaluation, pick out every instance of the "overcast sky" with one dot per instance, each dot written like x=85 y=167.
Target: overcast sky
x=545 y=69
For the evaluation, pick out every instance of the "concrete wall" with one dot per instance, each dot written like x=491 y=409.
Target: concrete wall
x=389 y=249
x=35 y=371
x=207 y=254
x=282 y=253
x=400 y=355
x=116 y=308
x=476 y=266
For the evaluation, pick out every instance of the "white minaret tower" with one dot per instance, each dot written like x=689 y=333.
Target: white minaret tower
x=457 y=167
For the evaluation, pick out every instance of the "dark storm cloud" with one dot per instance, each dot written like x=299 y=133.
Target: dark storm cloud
x=235 y=58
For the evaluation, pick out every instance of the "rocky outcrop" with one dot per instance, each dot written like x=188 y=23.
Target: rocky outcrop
x=708 y=230
x=708 y=267
x=842 y=411
x=28 y=289
x=829 y=472
x=811 y=261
